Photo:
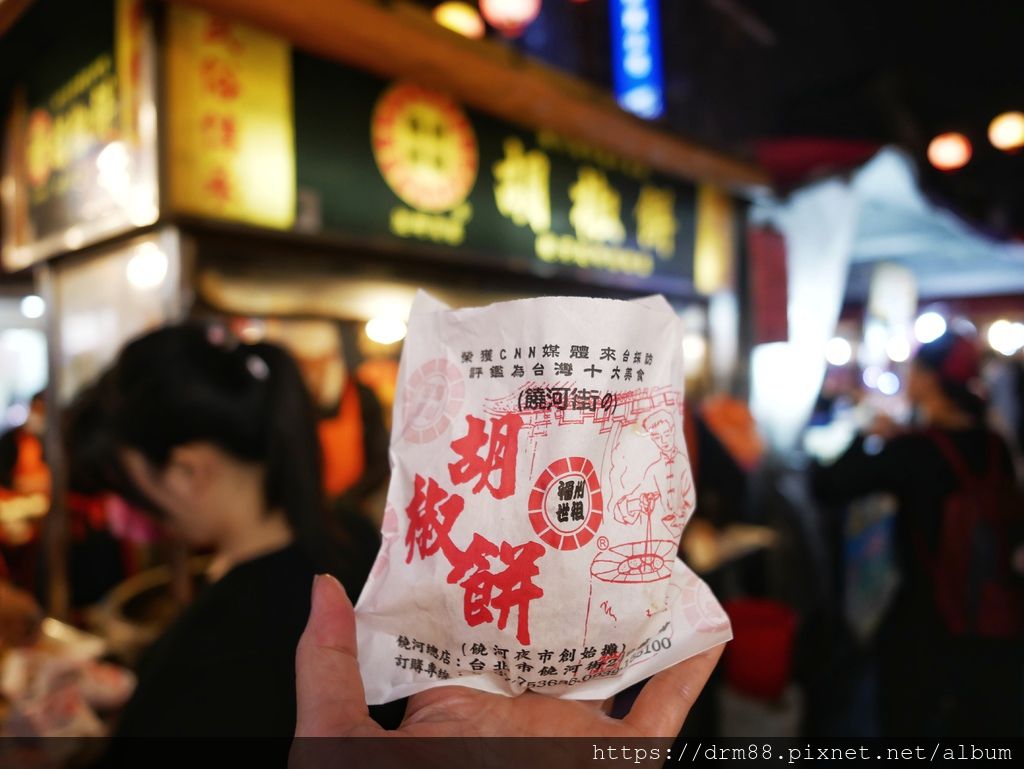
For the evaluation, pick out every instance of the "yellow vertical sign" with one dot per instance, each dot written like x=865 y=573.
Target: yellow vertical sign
x=715 y=240
x=128 y=20
x=231 y=127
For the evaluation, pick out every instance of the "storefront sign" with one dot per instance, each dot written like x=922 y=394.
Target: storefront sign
x=79 y=166
x=769 y=293
x=715 y=248
x=229 y=113
x=403 y=164
x=636 y=56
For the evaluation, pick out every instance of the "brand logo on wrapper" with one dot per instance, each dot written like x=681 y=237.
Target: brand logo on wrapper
x=539 y=489
x=566 y=504
x=433 y=397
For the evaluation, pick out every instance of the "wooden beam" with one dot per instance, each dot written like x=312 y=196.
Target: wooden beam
x=398 y=40
x=10 y=12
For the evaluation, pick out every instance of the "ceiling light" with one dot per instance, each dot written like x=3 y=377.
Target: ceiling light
x=386 y=330
x=148 y=267
x=33 y=307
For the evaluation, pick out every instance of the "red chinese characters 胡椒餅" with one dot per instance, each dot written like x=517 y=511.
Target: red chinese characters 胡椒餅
x=433 y=511
x=500 y=458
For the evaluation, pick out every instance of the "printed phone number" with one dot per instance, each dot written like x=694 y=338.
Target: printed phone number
x=646 y=647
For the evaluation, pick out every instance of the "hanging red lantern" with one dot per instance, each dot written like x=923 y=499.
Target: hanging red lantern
x=510 y=17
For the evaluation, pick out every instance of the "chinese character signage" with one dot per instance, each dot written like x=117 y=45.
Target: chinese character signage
x=79 y=163
x=540 y=486
x=636 y=56
x=229 y=119
x=418 y=173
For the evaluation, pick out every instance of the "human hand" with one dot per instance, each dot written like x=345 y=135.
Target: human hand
x=20 y=616
x=647 y=501
x=332 y=703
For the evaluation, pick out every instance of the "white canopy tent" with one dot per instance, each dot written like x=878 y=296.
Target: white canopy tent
x=836 y=231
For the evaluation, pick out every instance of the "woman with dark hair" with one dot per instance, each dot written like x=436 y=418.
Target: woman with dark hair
x=949 y=645
x=218 y=439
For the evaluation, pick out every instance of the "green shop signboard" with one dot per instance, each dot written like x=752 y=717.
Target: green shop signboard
x=405 y=164
x=79 y=167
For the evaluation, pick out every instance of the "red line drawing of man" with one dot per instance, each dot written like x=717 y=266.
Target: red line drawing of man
x=664 y=489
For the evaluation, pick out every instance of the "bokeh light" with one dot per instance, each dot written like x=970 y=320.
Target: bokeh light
x=461 y=18
x=33 y=307
x=838 y=351
x=1006 y=131
x=386 y=329
x=898 y=349
x=510 y=17
x=888 y=383
x=929 y=327
x=1006 y=337
x=949 y=151
x=148 y=267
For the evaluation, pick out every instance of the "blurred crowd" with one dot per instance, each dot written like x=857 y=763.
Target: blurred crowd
x=877 y=592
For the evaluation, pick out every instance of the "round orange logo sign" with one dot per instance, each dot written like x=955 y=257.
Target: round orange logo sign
x=425 y=147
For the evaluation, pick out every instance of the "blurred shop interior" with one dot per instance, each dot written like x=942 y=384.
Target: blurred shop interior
x=771 y=169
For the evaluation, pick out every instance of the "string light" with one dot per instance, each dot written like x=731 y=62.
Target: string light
x=386 y=330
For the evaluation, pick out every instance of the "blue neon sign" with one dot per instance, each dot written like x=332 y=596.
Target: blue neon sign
x=636 y=56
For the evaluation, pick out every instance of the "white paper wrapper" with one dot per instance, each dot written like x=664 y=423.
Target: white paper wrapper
x=540 y=484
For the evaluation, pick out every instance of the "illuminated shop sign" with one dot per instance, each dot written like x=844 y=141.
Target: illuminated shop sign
x=636 y=56
x=80 y=164
x=412 y=170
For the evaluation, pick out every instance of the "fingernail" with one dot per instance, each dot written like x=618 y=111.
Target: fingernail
x=312 y=592
x=324 y=584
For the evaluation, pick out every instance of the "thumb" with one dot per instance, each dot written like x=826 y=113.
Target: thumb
x=666 y=699
x=330 y=697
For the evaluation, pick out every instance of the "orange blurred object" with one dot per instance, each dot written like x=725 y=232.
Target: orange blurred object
x=31 y=474
x=341 y=440
x=732 y=423
x=381 y=376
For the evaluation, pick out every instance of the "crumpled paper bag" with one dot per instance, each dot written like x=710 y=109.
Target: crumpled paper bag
x=540 y=484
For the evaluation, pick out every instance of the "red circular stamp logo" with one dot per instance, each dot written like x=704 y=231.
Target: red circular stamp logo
x=433 y=397
x=566 y=506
